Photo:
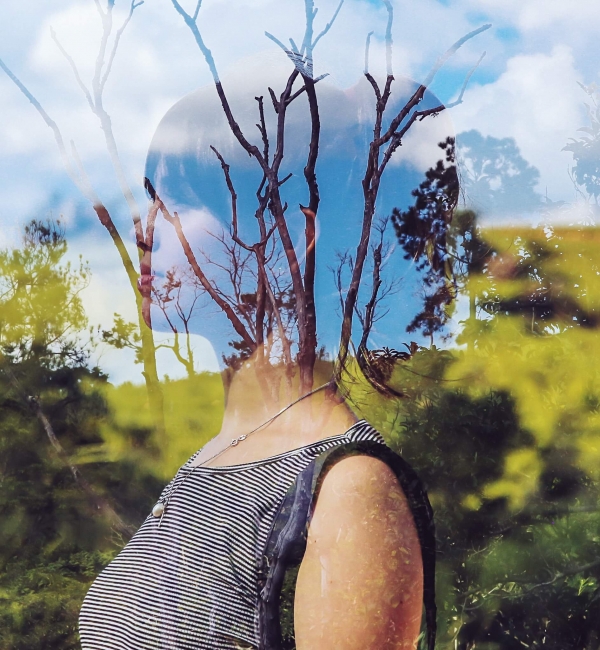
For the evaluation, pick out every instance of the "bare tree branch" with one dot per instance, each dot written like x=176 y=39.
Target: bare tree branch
x=374 y=171
x=47 y=119
x=451 y=51
x=115 y=47
x=190 y=21
x=80 y=179
x=388 y=37
x=234 y=215
x=396 y=139
x=210 y=289
x=197 y=10
x=73 y=65
x=328 y=26
x=367 y=46
x=262 y=127
x=370 y=307
x=466 y=83
x=95 y=101
x=99 y=8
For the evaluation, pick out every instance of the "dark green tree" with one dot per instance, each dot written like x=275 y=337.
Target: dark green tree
x=59 y=525
x=422 y=232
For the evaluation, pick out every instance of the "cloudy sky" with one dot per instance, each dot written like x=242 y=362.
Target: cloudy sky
x=526 y=88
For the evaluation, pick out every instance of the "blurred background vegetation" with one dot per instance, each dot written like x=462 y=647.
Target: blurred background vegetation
x=501 y=418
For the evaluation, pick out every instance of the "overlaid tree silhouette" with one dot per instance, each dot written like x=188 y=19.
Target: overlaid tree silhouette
x=494 y=176
x=272 y=210
x=586 y=149
x=94 y=96
x=446 y=243
x=297 y=347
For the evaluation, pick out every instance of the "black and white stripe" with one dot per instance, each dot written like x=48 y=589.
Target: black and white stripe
x=190 y=583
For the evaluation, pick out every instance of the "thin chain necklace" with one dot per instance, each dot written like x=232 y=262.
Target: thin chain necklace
x=160 y=508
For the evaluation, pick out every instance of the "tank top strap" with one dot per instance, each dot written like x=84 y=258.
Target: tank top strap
x=361 y=431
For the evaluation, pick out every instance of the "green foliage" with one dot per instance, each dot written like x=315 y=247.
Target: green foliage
x=41 y=314
x=503 y=428
x=53 y=542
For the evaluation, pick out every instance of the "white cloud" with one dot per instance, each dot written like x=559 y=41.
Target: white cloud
x=537 y=102
x=532 y=15
x=120 y=365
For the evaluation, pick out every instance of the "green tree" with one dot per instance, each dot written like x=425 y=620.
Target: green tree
x=54 y=536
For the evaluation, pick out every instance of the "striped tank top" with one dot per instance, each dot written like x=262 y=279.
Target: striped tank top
x=189 y=580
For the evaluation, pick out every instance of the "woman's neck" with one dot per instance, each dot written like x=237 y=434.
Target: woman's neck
x=318 y=414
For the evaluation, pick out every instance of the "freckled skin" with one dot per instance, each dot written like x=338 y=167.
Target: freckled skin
x=360 y=585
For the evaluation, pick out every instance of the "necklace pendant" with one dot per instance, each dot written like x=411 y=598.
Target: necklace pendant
x=242 y=438
x=234 y=442
x=158 y=509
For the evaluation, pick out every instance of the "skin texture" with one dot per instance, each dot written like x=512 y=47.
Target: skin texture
x=360 y=583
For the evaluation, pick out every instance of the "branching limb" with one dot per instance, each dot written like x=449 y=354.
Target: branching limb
x=420 y=92
x=329 y=25
x=197 y=10
x=262 y=127
x=285 y=343
x=370 y=307
x=145 y=281
x=191 y=22
x=302 y=58
x=79 y=178
x=303 y=89
x=459 y=100
x=396 y=139
x=48 y=120
x=95 y=101
x=374 y=171
x=234 y=215
x=99 y=8
x=198 y=272
x=451 y=51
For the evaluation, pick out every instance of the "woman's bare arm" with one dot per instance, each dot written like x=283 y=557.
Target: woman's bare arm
x=360 y=585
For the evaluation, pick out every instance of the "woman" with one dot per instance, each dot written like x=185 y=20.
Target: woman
x=294 y=480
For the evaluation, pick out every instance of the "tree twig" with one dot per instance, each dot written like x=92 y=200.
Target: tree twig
x=134 y=5
x=388 y=37
x=367 y=46
x=329 y=25
x=98 y=502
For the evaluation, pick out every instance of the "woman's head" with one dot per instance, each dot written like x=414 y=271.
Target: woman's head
x=241 y=241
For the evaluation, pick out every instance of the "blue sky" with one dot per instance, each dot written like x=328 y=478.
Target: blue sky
x=526 y=88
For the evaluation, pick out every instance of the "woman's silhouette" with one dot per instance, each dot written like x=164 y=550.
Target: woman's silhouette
x=294 y=481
